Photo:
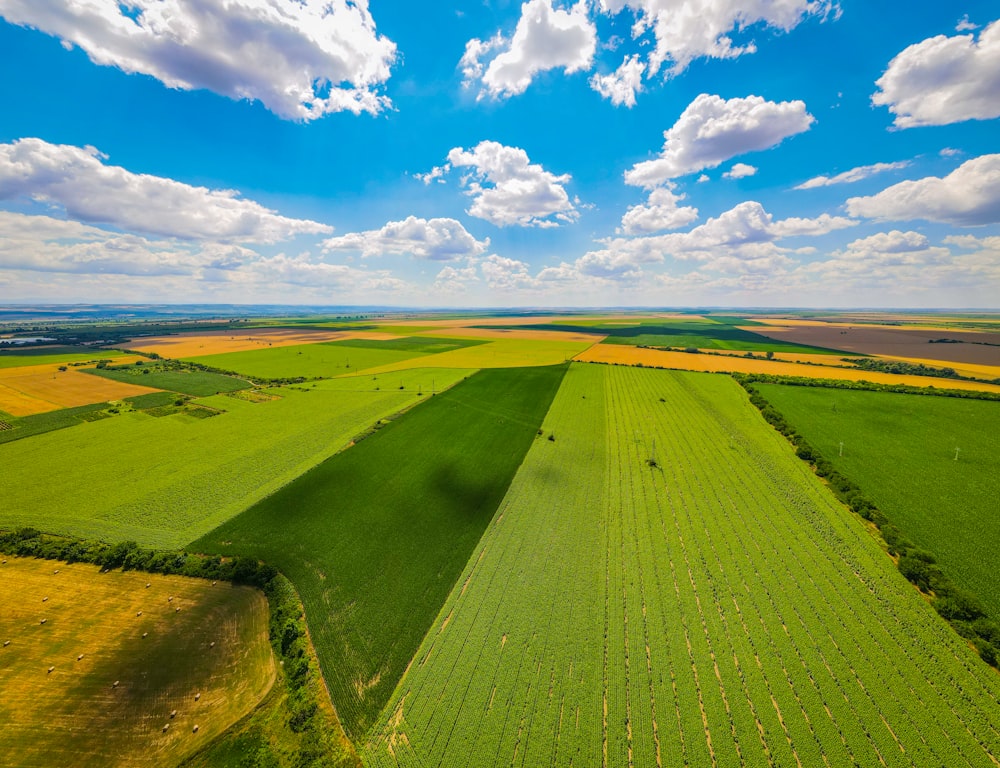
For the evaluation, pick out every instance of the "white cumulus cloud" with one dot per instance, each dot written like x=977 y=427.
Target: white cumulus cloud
x=78 y=180
x=621 y=86
x=711 y=130
x=740 y=171
x=968 y=196
x=685 y=30
x=508 y=189
x=433 y=239
x=853 y=175
x=300 y=58
x=944 y=80
x=660 y=212
x=545 y=38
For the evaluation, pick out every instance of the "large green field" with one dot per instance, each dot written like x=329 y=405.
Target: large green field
x=900 y=450
x=15 y=358
x=701 y=333
x=164 y=481
x=665 y=583
x=375 y=537
x=323 y=360
x=188 y=382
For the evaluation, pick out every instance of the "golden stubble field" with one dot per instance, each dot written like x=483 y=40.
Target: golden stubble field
x=31 y=389
x=184 y=345
x=93 y=664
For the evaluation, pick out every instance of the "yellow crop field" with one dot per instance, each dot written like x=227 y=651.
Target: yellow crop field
x=501 y=353
x=184 y=345
x=123 y=668
x=623 y=355
x=40 y=388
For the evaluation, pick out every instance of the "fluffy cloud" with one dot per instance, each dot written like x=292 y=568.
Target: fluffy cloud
x=79 y=181
x=46 y=244
x=685 y=30
x=853 y=175
x=545 y=38
x=944 y=80
x=505 y=274
x=621 y=86
x=508 y=189
x=968 y=196
x=434 y=239
x=455 y=279
x=739 y=240
x=300 y=58
x=711 y=130
x=740 y=171
x=660 y=212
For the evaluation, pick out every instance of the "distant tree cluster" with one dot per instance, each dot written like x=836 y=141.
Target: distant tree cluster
x=901 y=368
x=746 y=379
x=962 y=609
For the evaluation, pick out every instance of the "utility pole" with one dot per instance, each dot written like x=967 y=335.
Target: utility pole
x=956 y=453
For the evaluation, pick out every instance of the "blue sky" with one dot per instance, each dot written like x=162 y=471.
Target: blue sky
x=547 y=153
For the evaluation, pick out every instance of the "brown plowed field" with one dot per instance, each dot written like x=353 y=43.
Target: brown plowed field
x=978 y=348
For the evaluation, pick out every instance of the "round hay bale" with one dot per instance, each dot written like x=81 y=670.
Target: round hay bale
x=170 y=599
x=43 y=621
x=80 y=657
x=115 y=684
x=139 y=613
x=165 y=727
x=211 y=644
x=45 y=599
x=55 y=571
x=6 y=643
x=51 y=670
x=177 y=610
x=147 y=585
x=197 y=696
x=195 y=729
x=173 y=714
x=144 y=634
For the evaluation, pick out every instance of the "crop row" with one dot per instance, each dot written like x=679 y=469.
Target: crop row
x=666 y=573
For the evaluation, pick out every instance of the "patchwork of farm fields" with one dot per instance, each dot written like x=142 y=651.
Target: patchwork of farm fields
x=617 y=354
x=901 y=451
x=666 y=584
x=188 y=382
x=164 y=481
x=94 y=664
x=375 y=538
x=33 y=389
x=499 y=353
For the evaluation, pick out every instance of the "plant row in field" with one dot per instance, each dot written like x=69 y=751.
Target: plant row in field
x=959 y=607
x=374 y=537
x=665 y=585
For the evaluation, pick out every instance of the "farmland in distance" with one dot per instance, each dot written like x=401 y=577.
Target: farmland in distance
x=702 y=602
x=901 y=451
x=164 y=481
x=375 y=537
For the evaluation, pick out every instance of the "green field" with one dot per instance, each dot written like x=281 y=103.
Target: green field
x=695 y=332
x=187 y=382
x=717 y=608
x=900 y=450
x=322 y=360
x=374 y=538
x=59 y=700
x=164 y=481
x=424 y=345
x=48 y=356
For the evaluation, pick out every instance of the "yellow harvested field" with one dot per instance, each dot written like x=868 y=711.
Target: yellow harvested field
x=978 y=348
x=184 y=345
x=508 y=333
x=962 y=369
x=35 y=389
x=502 y=353
x=123 y=669
x=623 y=355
